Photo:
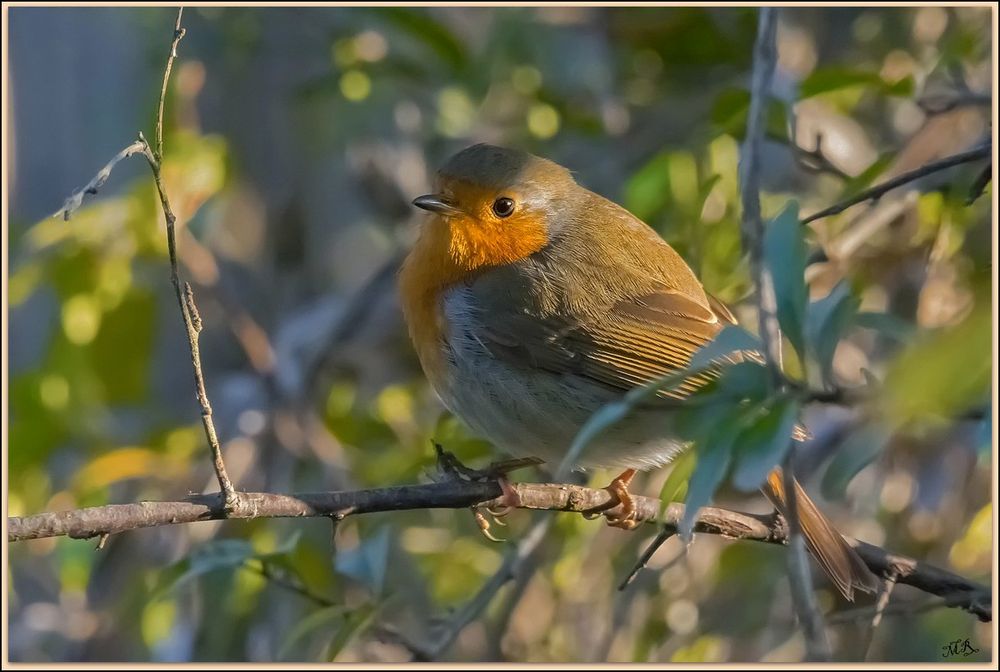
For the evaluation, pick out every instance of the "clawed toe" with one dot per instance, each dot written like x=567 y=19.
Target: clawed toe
x=620 y=496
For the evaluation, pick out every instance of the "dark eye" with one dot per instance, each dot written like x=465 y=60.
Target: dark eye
x=503 y=206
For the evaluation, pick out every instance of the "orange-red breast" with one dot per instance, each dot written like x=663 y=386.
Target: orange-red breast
x=532 y=302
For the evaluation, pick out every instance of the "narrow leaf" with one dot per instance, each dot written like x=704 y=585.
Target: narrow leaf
x=322 y=618
x=731 y=339
x=712 y=462
x=856 y=453
x=827 y=321
x=764 y=443
x=675 y=487
x=785 y=257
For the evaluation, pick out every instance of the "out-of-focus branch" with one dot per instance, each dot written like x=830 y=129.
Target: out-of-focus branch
x=765 y=58
x=874 y=193
x=455 y=494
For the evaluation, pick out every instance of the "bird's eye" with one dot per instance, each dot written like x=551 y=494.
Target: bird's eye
x=503 y=206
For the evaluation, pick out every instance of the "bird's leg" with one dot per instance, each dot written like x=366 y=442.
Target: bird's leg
x=618 y=489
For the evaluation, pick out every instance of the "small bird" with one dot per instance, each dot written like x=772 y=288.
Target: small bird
x=532 y=302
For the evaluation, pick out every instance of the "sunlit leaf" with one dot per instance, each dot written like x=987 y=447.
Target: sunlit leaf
x=824 y=80
x=942 y=373
x=647 y=191
x=675 y=487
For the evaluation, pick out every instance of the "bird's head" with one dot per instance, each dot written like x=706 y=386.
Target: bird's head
x=495 y=206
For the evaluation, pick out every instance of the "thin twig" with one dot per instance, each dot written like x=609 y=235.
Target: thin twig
x=880 y=605
x=764 y=63
x=185 y=296
x=477 y=605
x=453 y=494
x=874 y=193
x=179 y=33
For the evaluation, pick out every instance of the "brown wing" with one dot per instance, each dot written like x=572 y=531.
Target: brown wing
x=635 y=342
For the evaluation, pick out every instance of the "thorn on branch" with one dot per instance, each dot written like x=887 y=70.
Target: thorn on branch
x=666 y=532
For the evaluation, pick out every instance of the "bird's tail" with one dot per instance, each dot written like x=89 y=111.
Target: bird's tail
x=837 y=558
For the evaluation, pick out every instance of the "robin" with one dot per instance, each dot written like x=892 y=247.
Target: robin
x=532 y=302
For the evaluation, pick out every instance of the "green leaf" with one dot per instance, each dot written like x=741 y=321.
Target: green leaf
x=355 y=622
x=785 y=257
x=613 y=412
x=322 y=618
x=714 y=456
x=220 y=554
x=421 y=25
x=675 y=487
x=732 y=106
x=743 y=381
x=763 y=444
x=887 y=324
x=826 y=322
x=731 y=339
x=856 y=453
x=647 y=190
x=943 y=373
x=824 y=80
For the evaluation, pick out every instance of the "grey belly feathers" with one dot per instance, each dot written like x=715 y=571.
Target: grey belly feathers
x=532 y=413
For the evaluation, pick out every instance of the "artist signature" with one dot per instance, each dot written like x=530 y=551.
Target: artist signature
x=959 y=647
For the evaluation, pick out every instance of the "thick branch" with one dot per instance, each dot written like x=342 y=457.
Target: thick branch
x=114 y=518
x=876 y=192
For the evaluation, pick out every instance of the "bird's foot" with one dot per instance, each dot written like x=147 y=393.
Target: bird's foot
x=509 y=499
x=618 y=489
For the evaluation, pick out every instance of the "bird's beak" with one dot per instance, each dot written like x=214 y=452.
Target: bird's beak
x=438 y=204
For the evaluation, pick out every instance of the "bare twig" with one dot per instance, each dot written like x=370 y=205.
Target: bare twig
x=185 y=296
x=179 y=33
x=764 y=63
x=880 y=605
x=455 y=494
x=874 y=193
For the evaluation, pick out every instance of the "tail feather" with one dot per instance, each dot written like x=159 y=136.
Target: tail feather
x=837 y=558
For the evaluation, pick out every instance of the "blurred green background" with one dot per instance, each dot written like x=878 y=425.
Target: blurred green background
x=294 y=140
